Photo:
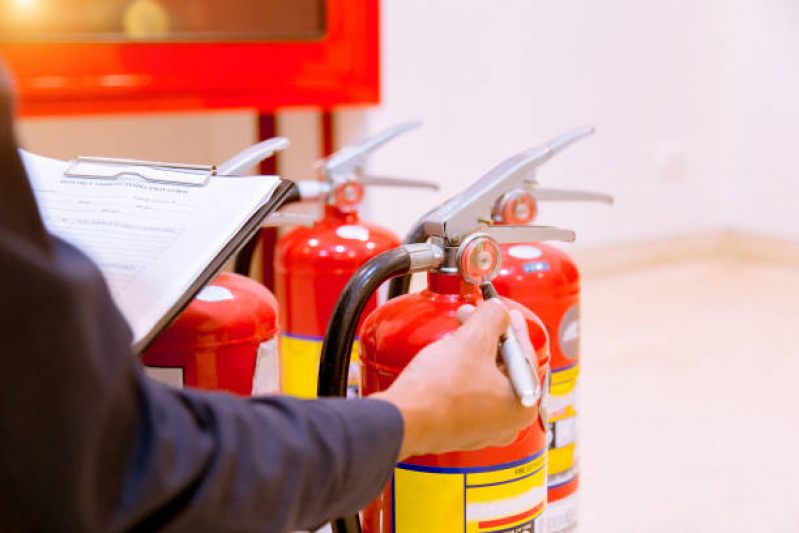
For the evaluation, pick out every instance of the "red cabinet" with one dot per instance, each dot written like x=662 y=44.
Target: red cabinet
x=339 y=67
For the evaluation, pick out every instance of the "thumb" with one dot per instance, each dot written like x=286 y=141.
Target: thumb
x=485 y=326
x=464 y=313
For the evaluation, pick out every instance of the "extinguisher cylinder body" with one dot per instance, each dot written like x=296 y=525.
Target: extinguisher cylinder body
x=492 y=489
x=312 y=266
x=545 y=280
x=226 y=339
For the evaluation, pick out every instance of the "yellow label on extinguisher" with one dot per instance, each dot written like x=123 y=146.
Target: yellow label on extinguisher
x=299 y=366
x=508 y=498
x=562 y=430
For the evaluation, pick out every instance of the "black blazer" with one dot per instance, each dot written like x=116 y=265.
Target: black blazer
x=88 y=443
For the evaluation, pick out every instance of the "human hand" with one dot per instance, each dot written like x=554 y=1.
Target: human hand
x=454 y=395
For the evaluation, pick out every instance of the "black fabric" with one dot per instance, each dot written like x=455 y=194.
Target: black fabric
x=88 y=443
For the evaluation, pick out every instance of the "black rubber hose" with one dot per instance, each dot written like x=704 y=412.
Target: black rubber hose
x=334 y=363
x=402 y=284
x=347 y=524
x=243 y=262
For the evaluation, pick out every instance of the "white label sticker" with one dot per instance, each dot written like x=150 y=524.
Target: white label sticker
x=569 y=333
x=524 y=251
x=562 y=515
x=214 y=293
x=357 y=233
x=565 y=432
x=267 y=372
x=166 y=375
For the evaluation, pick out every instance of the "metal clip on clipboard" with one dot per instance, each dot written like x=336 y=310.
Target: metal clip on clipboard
x=186 y=174
x=112 y=168
x=172 y=173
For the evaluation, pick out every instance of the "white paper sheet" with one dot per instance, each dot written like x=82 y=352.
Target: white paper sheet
x=151 y=240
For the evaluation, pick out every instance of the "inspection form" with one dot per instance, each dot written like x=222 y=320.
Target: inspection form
x=152 y=240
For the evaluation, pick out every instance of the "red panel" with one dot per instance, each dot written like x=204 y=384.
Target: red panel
x=341 y=68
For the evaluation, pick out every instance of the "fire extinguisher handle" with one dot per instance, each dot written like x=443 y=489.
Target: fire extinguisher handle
x=545 y=194
x=390 y=181
x=465 y=213
x=352 y=158
x=249 y=157
x=518 y=234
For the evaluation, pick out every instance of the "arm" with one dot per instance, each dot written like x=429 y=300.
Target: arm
x=90 y=444
x=87 y=443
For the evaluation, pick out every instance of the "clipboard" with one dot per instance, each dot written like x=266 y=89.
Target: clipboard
x=186 y=175
x=282 y=192
x=188 y=221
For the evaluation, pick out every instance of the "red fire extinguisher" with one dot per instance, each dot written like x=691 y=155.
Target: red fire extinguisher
x=493 y=489
x=545 y=280
x=226 y=339
x=312 y=265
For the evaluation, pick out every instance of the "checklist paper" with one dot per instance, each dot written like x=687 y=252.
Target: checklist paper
x=151 y=240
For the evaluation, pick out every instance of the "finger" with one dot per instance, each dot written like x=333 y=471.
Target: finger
x=485 y=327
x=465 y=312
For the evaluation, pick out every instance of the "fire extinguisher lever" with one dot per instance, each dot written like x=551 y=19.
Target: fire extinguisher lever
x=390 y=181
x=516 y=234
x=351 y=159
x=249 y=157
x=468 y=211
x=546 y=194
x=343 y=177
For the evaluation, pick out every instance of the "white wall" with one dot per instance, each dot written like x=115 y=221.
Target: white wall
x=765 y=147
x=694 y=103
x=489 y=79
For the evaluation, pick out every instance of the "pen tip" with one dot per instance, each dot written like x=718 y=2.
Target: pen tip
x=528 y=400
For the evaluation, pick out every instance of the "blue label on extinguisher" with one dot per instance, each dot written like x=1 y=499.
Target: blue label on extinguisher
x=537 y=266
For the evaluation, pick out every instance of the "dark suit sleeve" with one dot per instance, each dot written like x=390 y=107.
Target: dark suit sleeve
x=88 y=443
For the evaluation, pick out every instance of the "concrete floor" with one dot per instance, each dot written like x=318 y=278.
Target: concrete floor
x=690 y=394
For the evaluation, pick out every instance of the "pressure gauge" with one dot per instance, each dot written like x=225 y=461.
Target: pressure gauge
x=516 y=207
x=348 y=195
x=479 y=258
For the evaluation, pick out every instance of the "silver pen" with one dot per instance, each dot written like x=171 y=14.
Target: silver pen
x=522 y=375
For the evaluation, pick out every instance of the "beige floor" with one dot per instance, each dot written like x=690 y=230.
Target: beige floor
x=691 y=399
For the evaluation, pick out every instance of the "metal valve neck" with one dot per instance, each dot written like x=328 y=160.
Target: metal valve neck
x=450 y=283
x=449 y=265
x=334 y=212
